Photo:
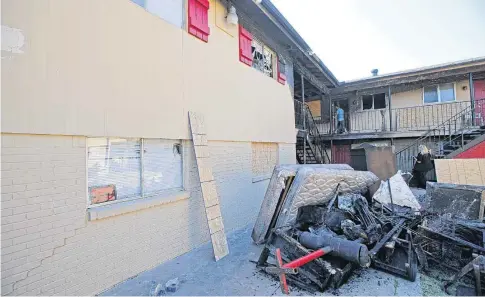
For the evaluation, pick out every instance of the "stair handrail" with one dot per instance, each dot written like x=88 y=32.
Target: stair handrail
x=315 y=133
x=438 y=127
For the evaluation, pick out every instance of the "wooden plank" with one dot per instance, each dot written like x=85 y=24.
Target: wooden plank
x=472 y=172
x=481 y=165
x=442 y=171
x=208 y=185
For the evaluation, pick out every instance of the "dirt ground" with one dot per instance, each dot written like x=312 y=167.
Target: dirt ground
x=199 y=274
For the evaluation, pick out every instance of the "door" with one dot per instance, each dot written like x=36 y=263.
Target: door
x=341 y=154
x=479 y=95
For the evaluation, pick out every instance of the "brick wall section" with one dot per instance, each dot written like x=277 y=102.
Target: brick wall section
x=49 y=247
x=264 y=157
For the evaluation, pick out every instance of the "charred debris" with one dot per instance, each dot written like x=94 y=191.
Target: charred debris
x=345 y=228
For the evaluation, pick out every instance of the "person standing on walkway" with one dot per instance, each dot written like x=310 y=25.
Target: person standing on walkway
x=340 y=120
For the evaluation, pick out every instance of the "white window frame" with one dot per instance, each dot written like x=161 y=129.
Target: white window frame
x=439 y=94
x=373 y=98
x=142 y=195
x=274 y=60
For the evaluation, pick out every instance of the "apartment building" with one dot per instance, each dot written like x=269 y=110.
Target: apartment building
x=99 y=180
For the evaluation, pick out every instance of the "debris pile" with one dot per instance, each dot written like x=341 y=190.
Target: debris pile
x=319 y=224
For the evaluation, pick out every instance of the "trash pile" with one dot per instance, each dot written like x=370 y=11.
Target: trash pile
x=319 y=224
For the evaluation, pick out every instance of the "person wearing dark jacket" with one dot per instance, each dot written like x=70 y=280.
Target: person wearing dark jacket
x=422 y=166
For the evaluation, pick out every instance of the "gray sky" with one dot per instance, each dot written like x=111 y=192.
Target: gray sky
x=354 y=36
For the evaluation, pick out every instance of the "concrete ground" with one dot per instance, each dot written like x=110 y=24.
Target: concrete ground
x=199 y=274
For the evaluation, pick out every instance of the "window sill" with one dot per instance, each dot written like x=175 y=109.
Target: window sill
x=102 y=211
x=263 y=177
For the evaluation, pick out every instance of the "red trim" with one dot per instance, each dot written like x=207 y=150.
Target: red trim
x=198 y=19
x=245 y=51
x=475 y=152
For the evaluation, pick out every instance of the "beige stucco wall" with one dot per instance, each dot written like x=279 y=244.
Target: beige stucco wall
x=415 y=97
x=110 y=68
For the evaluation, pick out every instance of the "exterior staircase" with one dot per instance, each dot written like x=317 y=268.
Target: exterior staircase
x=310 y=148
x=446 y=139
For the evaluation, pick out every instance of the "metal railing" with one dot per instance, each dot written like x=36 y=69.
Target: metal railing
x=405 y=119
x=305 y=121
x=444 y=137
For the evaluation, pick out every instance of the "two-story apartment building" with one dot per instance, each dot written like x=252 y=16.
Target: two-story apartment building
x=99 y=178
x=441 y=106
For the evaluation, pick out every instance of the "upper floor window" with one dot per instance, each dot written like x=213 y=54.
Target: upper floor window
x=376 y=101
x=120 y=168
x=169 y=10
x=264 y=58
x=439 y=93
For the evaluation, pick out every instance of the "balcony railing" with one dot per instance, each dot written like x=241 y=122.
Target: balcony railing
x=415 y=118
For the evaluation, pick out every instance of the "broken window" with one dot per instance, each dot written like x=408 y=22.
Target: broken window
x=257 y=50
x=376 y=101
x=367 y=102
x=120 y=168
x=379 y=101
x=263 y=58
x=439 y=93
x=268 y=62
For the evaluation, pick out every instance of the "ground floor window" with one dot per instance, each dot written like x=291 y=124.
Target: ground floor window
x=120 y=168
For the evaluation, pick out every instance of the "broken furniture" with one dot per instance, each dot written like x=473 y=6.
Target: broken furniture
x=292 y=219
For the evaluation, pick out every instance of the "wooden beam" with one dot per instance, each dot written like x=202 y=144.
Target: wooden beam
x=303 y=71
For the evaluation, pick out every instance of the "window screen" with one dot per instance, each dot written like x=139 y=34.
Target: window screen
x=367 y=102
x=113 y=161
x=431 y=94
x=162 y=165
x=447 y=92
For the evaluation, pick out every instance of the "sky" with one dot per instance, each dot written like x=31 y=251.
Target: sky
x=352 y=37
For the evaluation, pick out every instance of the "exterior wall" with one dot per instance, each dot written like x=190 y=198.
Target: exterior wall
x=113 y=69
x=415 y=97
x=50 y=247
x=110 y=68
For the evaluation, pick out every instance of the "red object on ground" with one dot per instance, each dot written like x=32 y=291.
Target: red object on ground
x=475 y=152
x=297 y=263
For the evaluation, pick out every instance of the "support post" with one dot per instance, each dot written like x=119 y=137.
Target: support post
x=390 y=108
x=304 y=117
x=331 y=114
x=472 y=97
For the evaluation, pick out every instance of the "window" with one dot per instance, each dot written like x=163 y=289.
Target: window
x=121 y=168
x=439 y=93
x=376 y=101
x=263 y=58
x=168 y=10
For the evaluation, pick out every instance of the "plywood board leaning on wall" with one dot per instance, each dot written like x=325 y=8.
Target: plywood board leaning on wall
x=208 y=185
x=461 y=171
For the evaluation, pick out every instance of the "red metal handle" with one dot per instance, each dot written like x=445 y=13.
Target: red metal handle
x=308 y=258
